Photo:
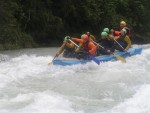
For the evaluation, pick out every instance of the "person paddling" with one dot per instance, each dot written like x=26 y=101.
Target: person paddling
x=106 y=43
x=85 y=48
x=67 y=48
x=122 y=26
x=122 y=42
x=109 y=35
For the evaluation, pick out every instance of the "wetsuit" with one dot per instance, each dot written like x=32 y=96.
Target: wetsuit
x=107 y=44
x=124 y=41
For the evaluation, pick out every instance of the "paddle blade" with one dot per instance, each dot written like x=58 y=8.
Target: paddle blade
x=120 y=58
x=49 y=63
x=52 y=60
x=94 y=59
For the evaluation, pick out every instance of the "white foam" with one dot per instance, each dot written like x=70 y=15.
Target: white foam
x=4 y=57
x=21 y=67
x=139 y=103
x=110 y=87
x=44 y=102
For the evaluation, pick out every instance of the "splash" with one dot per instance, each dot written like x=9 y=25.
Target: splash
x=28 y=84
x=4 y=58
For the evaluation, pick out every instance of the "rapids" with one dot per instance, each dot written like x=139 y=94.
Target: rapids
x=29 y=85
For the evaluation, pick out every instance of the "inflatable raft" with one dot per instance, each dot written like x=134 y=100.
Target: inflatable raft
x=103 y=58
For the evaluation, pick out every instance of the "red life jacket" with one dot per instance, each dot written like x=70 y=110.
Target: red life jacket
x=85 y=46
x=117 y=33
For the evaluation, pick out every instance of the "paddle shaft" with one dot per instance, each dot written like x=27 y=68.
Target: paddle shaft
x=98 y=44
x=119 y=44
x=73 y=43
x=52 y=60
x=56 y=54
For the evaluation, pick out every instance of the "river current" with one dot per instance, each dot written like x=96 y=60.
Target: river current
x=29 y=85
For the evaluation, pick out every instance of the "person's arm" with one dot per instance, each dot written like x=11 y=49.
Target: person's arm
x=77 y=40
x=127 y=39
x=116 y=37
x=117 y=33
x=80 y=41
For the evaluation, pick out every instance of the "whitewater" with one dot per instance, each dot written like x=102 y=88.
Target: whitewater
x=29 y=85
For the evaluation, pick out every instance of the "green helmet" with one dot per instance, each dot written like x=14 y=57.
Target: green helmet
x=67 y=37
x=106 y=30
x=124 y=30
x=104 y=34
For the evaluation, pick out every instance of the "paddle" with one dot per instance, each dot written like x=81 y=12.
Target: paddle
x=117 y=56
x=52 y=60
x=91 y=56
x=60 y=51
x=121 y=46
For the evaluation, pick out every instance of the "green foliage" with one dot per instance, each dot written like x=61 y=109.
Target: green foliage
x=11 y=36
x=25 y=23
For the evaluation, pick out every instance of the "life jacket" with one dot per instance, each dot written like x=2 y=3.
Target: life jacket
x=69 y=52
x=117 y=33
x=69 y=49
x=89 y=47
x=83 y=54
x=85 y=46
x=92 y=37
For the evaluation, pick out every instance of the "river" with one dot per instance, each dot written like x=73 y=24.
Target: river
x=29 y=85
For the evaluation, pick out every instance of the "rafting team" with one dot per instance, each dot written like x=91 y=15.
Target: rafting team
x=110 y=41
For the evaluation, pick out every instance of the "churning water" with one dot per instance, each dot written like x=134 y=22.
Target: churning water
x=29 y=85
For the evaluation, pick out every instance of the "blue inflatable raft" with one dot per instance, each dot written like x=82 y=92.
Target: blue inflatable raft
x=104 y=58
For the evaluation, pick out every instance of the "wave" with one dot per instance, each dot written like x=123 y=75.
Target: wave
x=43 y=102
x=28 y=84
x=4 y=57
x=138 y=103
